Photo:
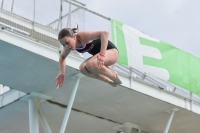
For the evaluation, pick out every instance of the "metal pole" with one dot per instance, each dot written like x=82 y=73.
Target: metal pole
x=34 y=14
x=69 y=17
x=33 y=115
x=2 y=4
x=13 y=1
x=169 y=122
x=60 y=19
x=43 y=120
x=191 y=101
x=61 y=8
x=60 y=16
x=131 y=77
x=69 y=106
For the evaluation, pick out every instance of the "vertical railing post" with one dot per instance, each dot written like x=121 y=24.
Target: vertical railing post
x=61 y=12
x=59 y=26
x=131 y=76
x=60 y=18
x=13 y=1
x=191 y=101
x=2 y=4
x=34 y=1
x=69 y=17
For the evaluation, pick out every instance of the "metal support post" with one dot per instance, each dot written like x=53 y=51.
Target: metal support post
x=60 y=16
x=34 y=5
x=69 y=17
x=131 y=77
x=36 y=112
x=43 y=120
x=172 y=111
x=191 y=101
x=13 y=1
x=70 y=103
x=2 y=4
x=61 y=13
x=33 y=115
x=60 y=20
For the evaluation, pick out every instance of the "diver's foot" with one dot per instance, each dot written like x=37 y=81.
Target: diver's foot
x=109 y=81
x=116 y=79
x=113 y=84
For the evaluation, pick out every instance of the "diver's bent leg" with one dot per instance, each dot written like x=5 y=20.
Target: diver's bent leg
x=111 y=57
x=86 y=72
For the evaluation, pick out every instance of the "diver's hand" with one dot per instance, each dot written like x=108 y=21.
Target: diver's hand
x=59 y=80
x=100 y=60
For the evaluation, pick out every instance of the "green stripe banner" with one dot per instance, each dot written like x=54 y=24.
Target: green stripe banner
x=156 y=57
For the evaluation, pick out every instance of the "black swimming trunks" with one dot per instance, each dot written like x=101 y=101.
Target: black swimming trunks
x=94 y=47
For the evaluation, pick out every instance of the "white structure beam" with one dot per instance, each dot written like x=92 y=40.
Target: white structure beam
x=43 y=120
x=33 y=115
x=36 y=112
x=70 y=103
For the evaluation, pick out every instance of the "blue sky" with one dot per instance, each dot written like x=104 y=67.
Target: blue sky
x=173 y=21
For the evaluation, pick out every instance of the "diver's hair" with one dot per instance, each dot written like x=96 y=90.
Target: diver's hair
x=67 y=32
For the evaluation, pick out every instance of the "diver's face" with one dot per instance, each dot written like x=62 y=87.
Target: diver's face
x=68 y=42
